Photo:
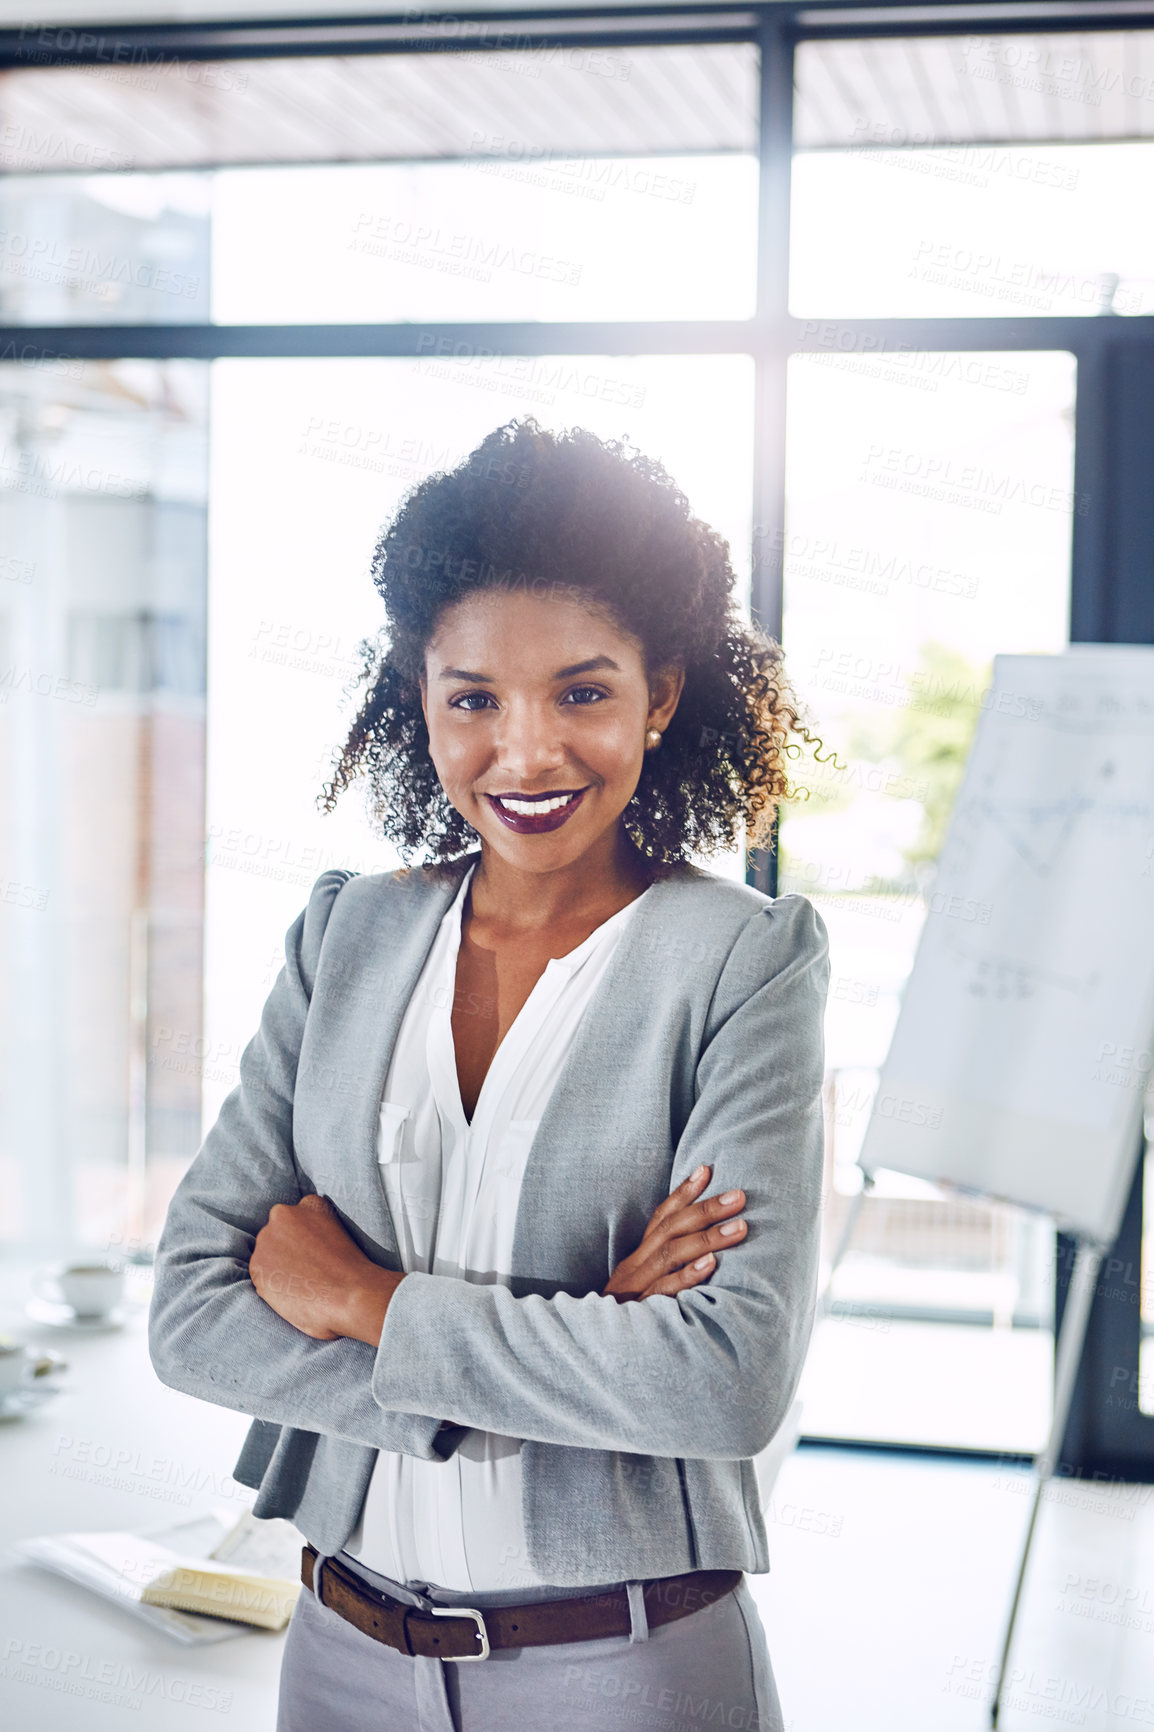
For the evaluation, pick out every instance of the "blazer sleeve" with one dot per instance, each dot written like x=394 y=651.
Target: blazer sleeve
x=210 y=1334
x=711 y=1372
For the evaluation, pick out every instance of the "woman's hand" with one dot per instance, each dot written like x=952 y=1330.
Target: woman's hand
x=678 y=1248
x=307 y=1268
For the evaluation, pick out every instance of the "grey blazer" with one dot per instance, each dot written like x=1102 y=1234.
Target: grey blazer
x=703 y=1042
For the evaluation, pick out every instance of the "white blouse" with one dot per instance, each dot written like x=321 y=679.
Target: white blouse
x=452 y=1187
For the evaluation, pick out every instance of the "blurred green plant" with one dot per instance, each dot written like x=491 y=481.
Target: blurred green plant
x=928 y=739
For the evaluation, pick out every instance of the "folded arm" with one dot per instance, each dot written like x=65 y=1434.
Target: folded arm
x=210 y=1333
x=706 y=1373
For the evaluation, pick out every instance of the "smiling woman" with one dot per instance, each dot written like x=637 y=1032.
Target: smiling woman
x=449 y=1242
x=533 y=516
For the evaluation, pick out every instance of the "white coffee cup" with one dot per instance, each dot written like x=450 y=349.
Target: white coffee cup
x=90 y=1287
x=15 y=1367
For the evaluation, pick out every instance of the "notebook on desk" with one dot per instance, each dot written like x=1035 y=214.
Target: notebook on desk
x=249 y=1579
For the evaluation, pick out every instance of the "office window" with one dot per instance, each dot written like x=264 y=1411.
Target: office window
x=104 y=249
x=930 y=504
x=974 y=176
x=497 y=236
x=363 y=190
x=136 y=652
x=102 y=719
x=577 y=183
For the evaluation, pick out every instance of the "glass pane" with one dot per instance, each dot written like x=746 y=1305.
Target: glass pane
x=974 y=176
x=104 y=249
x=310 y=458
x=973 y=232
x=103 y=483
x=504 y=236
x=929 y=512
x=491 y=238
x=569 y=183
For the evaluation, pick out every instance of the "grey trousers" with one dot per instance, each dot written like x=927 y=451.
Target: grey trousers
x=710 y=1669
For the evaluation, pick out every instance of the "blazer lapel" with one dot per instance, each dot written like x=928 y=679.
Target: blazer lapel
x=377 y=959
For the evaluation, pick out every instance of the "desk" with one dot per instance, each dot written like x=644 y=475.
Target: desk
x=114 y=1450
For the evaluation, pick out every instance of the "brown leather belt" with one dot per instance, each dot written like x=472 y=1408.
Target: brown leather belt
x=463 y=1633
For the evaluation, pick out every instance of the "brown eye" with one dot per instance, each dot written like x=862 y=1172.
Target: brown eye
x=470 y=701
x=585 y=695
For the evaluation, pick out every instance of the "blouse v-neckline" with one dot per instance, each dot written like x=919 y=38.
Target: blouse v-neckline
x=510 y=1049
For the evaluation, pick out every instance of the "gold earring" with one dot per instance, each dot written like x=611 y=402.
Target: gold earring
x=652 y=739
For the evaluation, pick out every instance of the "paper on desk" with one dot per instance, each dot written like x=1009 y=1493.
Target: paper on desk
x=118 y=1566
x=267 y=1547
x=57 y=1552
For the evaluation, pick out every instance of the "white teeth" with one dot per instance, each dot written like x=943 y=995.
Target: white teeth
x=532 y=808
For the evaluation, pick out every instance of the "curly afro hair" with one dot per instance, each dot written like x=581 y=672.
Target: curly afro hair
x=568 y=514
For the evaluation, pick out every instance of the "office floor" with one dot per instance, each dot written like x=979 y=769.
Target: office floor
x=946 y=1384
x=890 y=1582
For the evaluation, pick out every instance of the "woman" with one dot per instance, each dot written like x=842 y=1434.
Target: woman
x=507 y=1238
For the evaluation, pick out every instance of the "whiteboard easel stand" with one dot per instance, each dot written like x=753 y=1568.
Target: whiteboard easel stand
x=843 y=1239
x=1071 y=1337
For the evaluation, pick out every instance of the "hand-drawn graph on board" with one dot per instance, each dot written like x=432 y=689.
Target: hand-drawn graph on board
x=1022 y=1049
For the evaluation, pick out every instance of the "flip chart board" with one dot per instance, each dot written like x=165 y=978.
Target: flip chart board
x=1023 y=1044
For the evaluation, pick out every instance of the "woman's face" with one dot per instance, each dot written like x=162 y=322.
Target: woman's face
x=537 y=710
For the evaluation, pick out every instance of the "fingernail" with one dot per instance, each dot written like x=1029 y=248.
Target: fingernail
x=704 y=1262
x=699 y=1174
x=731 y=1227
x=731 y=1196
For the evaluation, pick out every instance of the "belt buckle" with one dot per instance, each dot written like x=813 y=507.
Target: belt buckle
x=464 y=1612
